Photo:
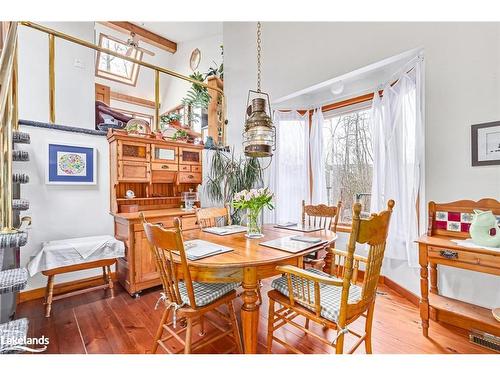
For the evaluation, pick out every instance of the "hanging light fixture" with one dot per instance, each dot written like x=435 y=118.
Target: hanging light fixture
x=259 y=138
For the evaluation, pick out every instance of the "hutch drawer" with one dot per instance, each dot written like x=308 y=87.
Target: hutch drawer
x=189 y=177
x=164 y=167
x=196 y=168
x=163 y=176
x=133 y=171
x=133 y=151
x=191 y=156
x=184 y=168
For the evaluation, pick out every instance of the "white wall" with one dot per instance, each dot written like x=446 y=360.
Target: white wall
x=73 y=84
x=175 y=89
x=462 y=88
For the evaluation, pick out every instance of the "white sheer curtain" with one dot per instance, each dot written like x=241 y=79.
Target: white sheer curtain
x=398 y=165
x=319 y=194
x=289 y=179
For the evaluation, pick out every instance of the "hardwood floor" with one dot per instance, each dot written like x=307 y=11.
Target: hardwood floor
x=96 y=323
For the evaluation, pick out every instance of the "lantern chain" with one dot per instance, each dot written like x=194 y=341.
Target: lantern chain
x=258 y=55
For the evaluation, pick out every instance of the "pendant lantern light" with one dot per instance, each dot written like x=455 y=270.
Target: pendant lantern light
x=259 y=138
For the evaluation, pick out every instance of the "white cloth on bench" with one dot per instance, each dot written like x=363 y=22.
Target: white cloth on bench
x=71 y=251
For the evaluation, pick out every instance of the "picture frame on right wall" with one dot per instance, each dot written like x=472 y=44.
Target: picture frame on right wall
x=485 y=144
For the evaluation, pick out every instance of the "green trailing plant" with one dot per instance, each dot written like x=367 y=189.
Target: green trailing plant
x=197 y=96
x=230 y=175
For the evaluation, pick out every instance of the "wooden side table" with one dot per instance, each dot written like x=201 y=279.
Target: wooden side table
x=448 y=222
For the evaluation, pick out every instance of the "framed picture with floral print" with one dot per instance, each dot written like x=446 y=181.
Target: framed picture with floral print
x=485 y=144
x=71 y=164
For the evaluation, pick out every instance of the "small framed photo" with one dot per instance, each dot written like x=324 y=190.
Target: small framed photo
x=71 y=165
x=485 y=144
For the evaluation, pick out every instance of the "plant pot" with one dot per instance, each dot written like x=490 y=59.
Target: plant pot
x=175 y=123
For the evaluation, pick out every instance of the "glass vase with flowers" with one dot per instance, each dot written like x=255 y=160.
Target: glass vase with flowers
x=253 y=200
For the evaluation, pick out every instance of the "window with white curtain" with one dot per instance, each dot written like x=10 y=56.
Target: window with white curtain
x=348 y=157
x=289 y=176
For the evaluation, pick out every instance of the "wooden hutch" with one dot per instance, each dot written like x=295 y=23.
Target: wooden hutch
x=157 y=171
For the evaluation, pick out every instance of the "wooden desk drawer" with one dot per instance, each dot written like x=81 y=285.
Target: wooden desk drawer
x=167 y=222
x=164 y=167
x=196 y=168
x=163 y=176
x=184 y=168
x=189 y=177
x=472 y=259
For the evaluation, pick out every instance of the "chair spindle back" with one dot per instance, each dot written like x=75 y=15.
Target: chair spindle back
x=167 y=245
x=213 y=217
x=372 y=231
x=321 y=215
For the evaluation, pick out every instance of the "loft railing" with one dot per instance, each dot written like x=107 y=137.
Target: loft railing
x=53 y=34
x=9 y=119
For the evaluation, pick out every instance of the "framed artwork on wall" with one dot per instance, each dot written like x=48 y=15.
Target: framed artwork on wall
x=485 y=144
x=71 y=165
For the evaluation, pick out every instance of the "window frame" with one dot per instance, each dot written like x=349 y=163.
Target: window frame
x=112 y=76
x=334 y=111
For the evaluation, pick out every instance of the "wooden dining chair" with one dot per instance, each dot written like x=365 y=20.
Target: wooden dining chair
x=186 y=300
x=321 y=216
x=213 y=217
x=334 y=303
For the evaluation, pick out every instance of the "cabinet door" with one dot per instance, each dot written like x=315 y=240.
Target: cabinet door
x=133 y=171
x=133 y=151
x=145 y=262
x=191 y=156
x=165 y=154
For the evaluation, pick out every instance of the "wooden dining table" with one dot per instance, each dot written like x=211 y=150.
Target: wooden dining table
x=249 y=262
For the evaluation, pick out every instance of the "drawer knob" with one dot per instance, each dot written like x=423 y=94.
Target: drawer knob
x=190 y=176
x=164 y=166
x=448 y=254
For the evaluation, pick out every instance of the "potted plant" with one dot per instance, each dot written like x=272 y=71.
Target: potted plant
x=253 y=200
x=181 y=136
x=229 y=175
x=172 y=118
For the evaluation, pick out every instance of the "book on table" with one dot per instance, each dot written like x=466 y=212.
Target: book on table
x=226 y=230
x=294 y=244
x=199 y=249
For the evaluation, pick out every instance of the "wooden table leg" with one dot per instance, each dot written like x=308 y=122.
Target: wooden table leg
x=424 y=289
x=433 y=274
x=250 y=310
x=327 y=267
x=50 y=294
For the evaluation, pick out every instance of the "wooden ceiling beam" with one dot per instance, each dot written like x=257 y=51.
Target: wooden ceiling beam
x=143 y=34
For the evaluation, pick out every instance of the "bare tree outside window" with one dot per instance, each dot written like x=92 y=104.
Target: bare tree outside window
x=348 y=159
